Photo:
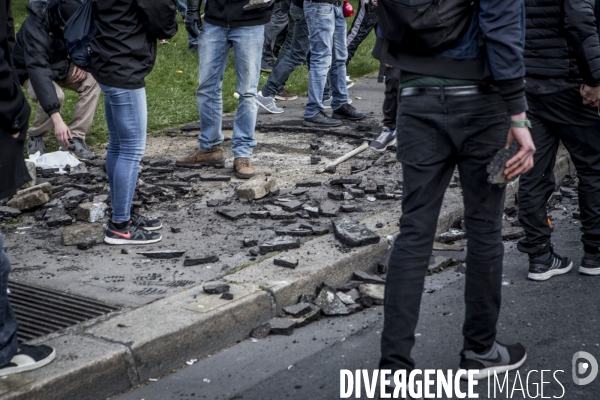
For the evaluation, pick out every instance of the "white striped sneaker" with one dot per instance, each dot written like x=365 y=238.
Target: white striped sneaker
x=547 y=265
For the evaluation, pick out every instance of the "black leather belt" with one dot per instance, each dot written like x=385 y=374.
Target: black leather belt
x=447 y=90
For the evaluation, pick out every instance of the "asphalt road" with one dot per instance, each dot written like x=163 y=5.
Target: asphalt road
x=553 y=319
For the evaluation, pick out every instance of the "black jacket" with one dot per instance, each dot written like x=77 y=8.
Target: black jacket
x=124 y=51
x=230 y=13
x=562 y=40
x=14 y=114
x=41 y=54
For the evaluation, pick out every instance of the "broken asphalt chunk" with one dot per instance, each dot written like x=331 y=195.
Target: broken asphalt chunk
x=250 y=242
x=348 y=208
x=329 y=209
x=226 y=296
x=368 y=277
x=9 y=212
x=162 y=254
x=215 y=178
x=259 y=214
x=290 y=206
x=346 y=181
x=308 y=184
x=512 y=233
x=336 y=195
x=287 y=262
x=294 y=232
x=352 y=233
x=298 y=310
x=261 y=331
x=282 y=326
x=330 y=303
x=256 y=188
x=374 y=292
x=280 y=245
x=215 y=288
x=190 y=262
x=84 y=233
x=231 y=214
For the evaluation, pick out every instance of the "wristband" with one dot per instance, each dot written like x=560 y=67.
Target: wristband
x=520 y=123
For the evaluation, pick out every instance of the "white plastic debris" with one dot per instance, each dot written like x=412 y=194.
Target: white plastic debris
x=254 y=340
x=56 y=159
x=290 y=367
x=152 y=379
x=192 y=361
x=206 y=380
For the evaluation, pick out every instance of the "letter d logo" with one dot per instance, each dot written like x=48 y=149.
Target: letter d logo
x=581 y=368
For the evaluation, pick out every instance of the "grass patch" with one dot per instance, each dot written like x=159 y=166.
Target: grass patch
x=171 y=86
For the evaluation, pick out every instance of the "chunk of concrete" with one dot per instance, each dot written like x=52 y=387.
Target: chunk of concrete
x=230 y=214
x=256 y=188
x=329 y=209
x=216 y=288
x=367 y=277
x=352 y=233
x=31 y=197
x=330 y=303
x=298 y=310
x=279 y=245
x=346 y=299
x=190 y=262
x=82 y=233
x=282 y=326
x=91 y=211
x=31 y=170
x=261 y=331
x=286 y=262
x=374 y=292
x=162 y=254
x=451 y=236
x=9 y=212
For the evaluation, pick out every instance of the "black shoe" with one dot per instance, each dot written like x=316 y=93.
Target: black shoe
x=500 y=358
x=321 y=119
x=28 y=358
x=544 y=266
x=131 y=234
x=347 y=112
x=149 y=224
x=590 y=264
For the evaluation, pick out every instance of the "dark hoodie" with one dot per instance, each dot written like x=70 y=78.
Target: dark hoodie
x=41 y=52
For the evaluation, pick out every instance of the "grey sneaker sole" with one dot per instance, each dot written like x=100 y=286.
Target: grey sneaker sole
x=309 y=123
x=216 y=164
x=549 y=274
x=392 y=143
x=129 y=241
x=589 y=271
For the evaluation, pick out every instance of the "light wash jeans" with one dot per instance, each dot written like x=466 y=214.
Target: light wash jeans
x=214 y=43
x=328 y=54
x=8 y=321
x=127 y=119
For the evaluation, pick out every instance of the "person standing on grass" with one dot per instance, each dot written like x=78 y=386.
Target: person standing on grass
x=14 y=118
x=123 y=54
x=226 y=26
x=363 y=23
x=44 y=67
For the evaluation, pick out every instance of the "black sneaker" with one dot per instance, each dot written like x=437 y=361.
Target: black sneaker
x=590 y=264
x=28 y=358
x=149 y=224
x=500 y=358
x=321 y=119
x=347 y=112
x=387 y=138
x=131 y=234
x=545 y=266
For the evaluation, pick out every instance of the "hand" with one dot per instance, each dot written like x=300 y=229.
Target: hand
x=591 y=95
x=16 y=135
x=78 y=75
x=523 y=160
x=374 y=2
x=61 y=130
x=193 y=23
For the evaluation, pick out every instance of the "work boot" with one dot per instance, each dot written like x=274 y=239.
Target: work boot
x=243 y=168
x=201 y=158
x=79 y=149
x=35 y=144
x=322 y=120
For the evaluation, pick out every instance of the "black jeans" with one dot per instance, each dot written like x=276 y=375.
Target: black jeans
x=560 y=117
x=8 y=321
x=436 y=133
x=390 y=103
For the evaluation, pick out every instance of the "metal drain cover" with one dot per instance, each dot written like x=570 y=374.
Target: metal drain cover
x=41 y=311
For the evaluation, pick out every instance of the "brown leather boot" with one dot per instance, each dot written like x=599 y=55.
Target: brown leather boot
x=243 y=168
x=200 y=158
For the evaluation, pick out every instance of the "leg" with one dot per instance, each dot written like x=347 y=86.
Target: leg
x=42 y=125
x=363 y=23
x=213 y=51
x=287 y=43
x=321 y=21
x=247 y=42
x=8 y=321
x=85 y=107
x=127 y=141
x=279 y=20
x=337 y=73
x=390 y=103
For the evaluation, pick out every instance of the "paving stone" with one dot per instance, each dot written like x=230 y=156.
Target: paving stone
x=352 y=233
x=375 y=292
x=281 y=215
x=298 y=310
x=57 y=216
x=451 y=236
x=82 y=233
x=294 y=232
x=79 y=171
x=31 y=197
x=347 y=300
x=368 y=277
x=162 y=254
x=32 y=173
x=9 y=212
x=250 y=242
x=280 y=245
x=91 y=212
x=348 y=208
x=330 y=303
x=346 y=181
x=315 y=160
x=190 y=262
x=512 y=233
x=313 y=212
x=261 y=331
x=226 y=296
x=231 y=214
x=495 y=168
x=329 y=209
x=215 y=288
x=282 y=326
x=287 y=262
x=259 y=214
x=256 y=188
x=291 y=206
x=298 y=192
x=101 y=198
x=308 y=184
x=336 y=195
x=186 y=176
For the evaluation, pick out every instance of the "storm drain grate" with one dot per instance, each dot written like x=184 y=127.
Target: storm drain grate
x=41 y=311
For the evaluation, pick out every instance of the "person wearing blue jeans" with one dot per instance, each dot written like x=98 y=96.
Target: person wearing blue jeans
x=123 y=54
x=328 y=54
x=192 y=41
x=225 y=28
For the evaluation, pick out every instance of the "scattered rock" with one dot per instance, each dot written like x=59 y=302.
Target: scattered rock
x=261 y=332
x=330 y=303
x=354 y=294
x=291 y=206
x=91 y=212
x=372 y=291
x=31 y=170
x=213 y=203
x=438 y=263
x=101 y=198
x=513 y=233
x=216 y=288
x=124 y=251
x=280 y=215
x=495 y=168
x=231 y=214
x=215 y=178
x=568 y=192
x=451 y=236
x=306 y=298
x=190 y=262
x=352 y=233
x=162 y=254
x=448 y=247
x=9 y=212
x=31 y=197
x=347 y=300
x=287 y=262
x=256 y=188
x=79 y=171
x=84 y=233
x=259 y=214
x=313 y=212
x=86 y=245
x=309 y=183
x=57 y=216
x=298 y=310
x=175 y=230
x=280 y=245
x=298 y=192
x=294 y=232
x=349 y=286
x=321 y=230
x=329 y=209
x=187 y=176
x=226 y=296
x=282 y=326
x=315 y=160
x=250 y=242
x=356 y=193
x=336 y=195
x=367 y=277
x=348 y=208
x=346 y=181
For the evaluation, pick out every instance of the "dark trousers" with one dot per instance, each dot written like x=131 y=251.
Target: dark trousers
x=8 y=321
x=560 y=117
x=390 y=102
x=362 y=24
x=435 y=134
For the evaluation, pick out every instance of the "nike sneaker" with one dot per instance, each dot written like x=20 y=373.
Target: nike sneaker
x=130 y=234
x=500 y=358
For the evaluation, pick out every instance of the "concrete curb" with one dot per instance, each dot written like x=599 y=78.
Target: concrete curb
x=111 y=354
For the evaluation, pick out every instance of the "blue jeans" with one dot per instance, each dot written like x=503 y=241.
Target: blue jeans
x=127 y=118
x=213 y=49
x=328 y=54
x=8 y=321
x=182 y=7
